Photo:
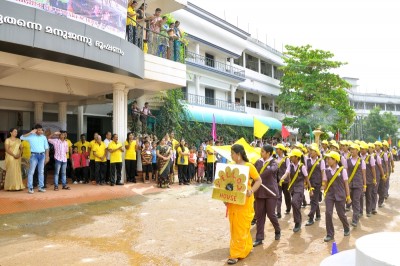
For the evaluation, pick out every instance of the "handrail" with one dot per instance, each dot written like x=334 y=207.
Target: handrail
x=215 y=103
x=158 y=44
x=223 y=67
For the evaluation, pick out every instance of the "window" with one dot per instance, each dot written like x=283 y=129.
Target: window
x=266 y=68
x=239 y=61
x=389 y=107
x=209 y=93
x=251 y=104
x=237 y=100
x=369 y=106
x=265 y=106
x=210 y=60
x=184 y=91
x=252 y=62
x=277 y=73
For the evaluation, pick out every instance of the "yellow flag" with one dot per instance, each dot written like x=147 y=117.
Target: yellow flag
x=259 y=128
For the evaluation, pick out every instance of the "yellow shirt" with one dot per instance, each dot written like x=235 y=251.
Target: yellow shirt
x=185 y=157
x=131 y=20
x=116 y=156
x=210 y=157
x=91 y=145
x=175 y=143
x=100 y=151
x=79 y=144
x=26 y=149
x=131 y=152
x=69 y=146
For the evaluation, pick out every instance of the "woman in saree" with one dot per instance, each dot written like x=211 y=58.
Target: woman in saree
x=164 y=153
x=13 y=162
x=240 y=216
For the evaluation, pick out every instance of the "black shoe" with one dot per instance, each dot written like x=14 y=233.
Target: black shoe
x=328 y=238
x=279 y=216
x=368 y=214
x=320 y=197
x=257 y=242
x=297 y=227
x=310 y=222
x=354 y=224
x=112 y=184
x=277 y=235
x=317 y=218
x=347 y=209
x=380 y=205
x=180 y=183
x=374 y=212
x=347 y=232
x=287 y=211
x=254 y=221
x=119 y=184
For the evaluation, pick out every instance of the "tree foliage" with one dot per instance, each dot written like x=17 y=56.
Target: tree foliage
x=378 y=124
x=314 y=95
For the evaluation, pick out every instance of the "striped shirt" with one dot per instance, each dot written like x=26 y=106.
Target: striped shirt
x=60 y=149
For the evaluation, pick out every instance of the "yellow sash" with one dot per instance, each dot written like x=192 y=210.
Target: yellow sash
x=265 y=165
x=354 y=170
x=295 y=176
x=281 y=162
x=313 y=167
x=333 y=179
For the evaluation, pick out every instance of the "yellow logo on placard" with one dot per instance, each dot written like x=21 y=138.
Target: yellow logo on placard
x=230 y=186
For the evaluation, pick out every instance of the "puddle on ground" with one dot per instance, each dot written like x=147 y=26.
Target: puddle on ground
x=105 y=227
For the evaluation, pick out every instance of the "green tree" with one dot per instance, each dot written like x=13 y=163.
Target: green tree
x=314 y=96
x=377 y=125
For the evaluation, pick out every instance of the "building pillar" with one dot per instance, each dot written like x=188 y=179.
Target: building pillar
x=197 y=48
x=260 y=101
x=245 y=100
x=120 y=109
x=197 y=90
x=244 y=59
x=80 y=121
x=273 y=105
x=272 y=71
x=38 y=112
x=231 y=64
x=259 y=65
x=62 y=114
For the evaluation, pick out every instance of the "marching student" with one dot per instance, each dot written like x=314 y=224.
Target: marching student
x=385 y=167
x=344 y=148
x=370 y=175
x=379 y=173
x=297 y=173
x=265 y=202
x=390 y=167
x=336 y=192
x=325 y=148
x=334 y=146
x=316 y=171
x=283 y=164
x=356 y=168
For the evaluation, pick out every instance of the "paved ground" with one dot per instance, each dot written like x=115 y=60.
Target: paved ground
x=138 y=224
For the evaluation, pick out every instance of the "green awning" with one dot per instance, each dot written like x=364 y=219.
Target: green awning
x=205 y=115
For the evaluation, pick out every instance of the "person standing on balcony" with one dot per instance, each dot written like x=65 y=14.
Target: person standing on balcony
x=144 y=115
x=135 y=113
x=131 y=22
x=141 y=24
x=155 y=26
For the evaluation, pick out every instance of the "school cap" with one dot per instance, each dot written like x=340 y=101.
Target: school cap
x=343 y=142
x=332 y=141
x=385 y=143
x=295 y=152
x=364 y=145
x=371 y=145
x=299 y=145
x=349 y=143
x=325 y=142
x=334 y=155
x=280 y=146
x=335 y=145
x=378 y=143
x=315 y=148
x=355 y=146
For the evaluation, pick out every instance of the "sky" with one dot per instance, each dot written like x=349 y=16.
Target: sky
x=365 y=34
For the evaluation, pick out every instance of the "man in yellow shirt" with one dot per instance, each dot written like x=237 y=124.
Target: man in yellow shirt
x=131 y=22
x=81 y=143
x=210 y=162
x=99 y=153
x=115 y=149
x=91 y=157
x=131 y=146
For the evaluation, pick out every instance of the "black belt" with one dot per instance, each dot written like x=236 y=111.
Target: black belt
x=37 y=152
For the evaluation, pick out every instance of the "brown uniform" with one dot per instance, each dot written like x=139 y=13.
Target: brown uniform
x=284 y=188
x=356 y=187
x=297 y=191
x=316 y=182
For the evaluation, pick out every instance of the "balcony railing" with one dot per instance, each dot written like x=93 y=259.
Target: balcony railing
x=213 y=64
x=212 y=102
x=159 y=44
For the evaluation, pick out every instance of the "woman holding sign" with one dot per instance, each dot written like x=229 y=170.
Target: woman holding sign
x=265 y=201
x=240 y=216
x=337 y=193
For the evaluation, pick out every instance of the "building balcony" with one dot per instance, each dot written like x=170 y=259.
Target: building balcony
x=213 y=103
x=214 y=66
